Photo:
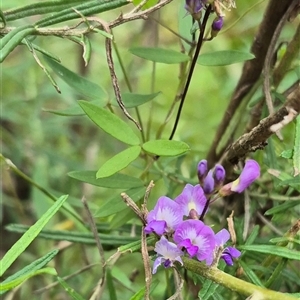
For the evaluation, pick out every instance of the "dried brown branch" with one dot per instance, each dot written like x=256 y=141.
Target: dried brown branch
x=252 y=69
x=257 y=137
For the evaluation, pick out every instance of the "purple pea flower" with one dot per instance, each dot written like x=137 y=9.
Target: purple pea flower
x=165 y=216
x=196 y=237
x=226 y=254
x=167 y=252
x=250 y=173
x=191 y=198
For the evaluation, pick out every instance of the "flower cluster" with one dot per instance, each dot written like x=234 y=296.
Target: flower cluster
x=179 y=222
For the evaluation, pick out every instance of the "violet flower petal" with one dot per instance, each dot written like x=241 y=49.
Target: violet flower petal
x=192 y=197
x=250 y=173
x=167 y=252
x=229 y=253
x=165 y=210
x=199 y=234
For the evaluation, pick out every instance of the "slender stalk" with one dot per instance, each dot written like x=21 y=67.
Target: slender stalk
x=192 y=67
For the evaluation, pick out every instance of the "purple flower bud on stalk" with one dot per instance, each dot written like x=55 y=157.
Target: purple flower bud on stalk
x=209 y=183
x=167 y=252
x=250 y=173
x=196 y=237
x=165 y=216
x=202 y=170
x=219 y=174
x=217 y=24
x=191 y=198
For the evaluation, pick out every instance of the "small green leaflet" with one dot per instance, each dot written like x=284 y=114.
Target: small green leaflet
x=110 y=123
x=223 y=58
x=118 y=162
x=159 y=55
x=133 y=100
x=166 y=147
x=86 y=88
x=115 y=181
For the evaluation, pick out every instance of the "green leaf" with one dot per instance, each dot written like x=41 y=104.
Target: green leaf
x=121 y=218
x=10 y=41
x=71 y=292
x=133 y=100
x=110 y=123
x=159 y=55
x=282 y=208
x=117 y=204
x=116 y=181
x=118 y=162
x=274 y=250
x=39 y=8
x=19 y=247
x=34 y=266
x=141 y=293
x=250 y=274
x=287 y=153
x=86 y=8
x=166 y=147
x=296 y=154
x=74 y=111
x=75 y=236
x=223 y=58
x=147 y=5
x=90 y=90
x=136 y=246
x=10 y=285
x=110 y=285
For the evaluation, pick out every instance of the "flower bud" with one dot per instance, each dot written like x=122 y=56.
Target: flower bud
x=202 y=170
x=209 y=183
x=219 y=174
x=217 y=25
